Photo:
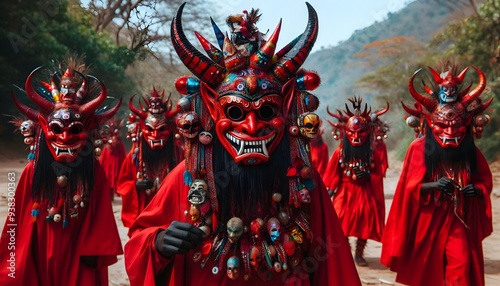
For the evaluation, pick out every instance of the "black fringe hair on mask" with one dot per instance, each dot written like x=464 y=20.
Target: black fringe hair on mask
x=363 y=152
x=246 y=191
x=456 y=158
x=80 y=173
x=157 y=160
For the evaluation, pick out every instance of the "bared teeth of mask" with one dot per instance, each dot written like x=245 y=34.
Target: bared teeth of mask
x=242 y=146
x=264 y=148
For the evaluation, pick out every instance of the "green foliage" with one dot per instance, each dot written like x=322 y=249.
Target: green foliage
x=35 y=33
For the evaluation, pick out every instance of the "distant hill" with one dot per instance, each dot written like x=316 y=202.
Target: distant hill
x=338 y=69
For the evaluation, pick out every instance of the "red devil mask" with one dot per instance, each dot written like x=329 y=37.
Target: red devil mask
x=246 y=88
x=357 y=124
x=157 y=120
x=448 y=121
x=65 y=121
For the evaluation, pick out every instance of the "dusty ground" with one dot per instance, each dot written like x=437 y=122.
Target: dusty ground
x=374 y=274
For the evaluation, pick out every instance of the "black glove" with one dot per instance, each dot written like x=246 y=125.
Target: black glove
x=178 y=238
x=446 y=185
x=90 y=261
x=360 y=174
x=142 y=185
x=470 y=191
x=331 y=193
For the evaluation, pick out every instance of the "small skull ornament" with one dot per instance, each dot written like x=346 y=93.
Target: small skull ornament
x=197 y=192
x=234 y=229
x=233 y=267
x=27 y=128
x=309 y=124
x=189 y=124
x=273 y=228
x=255 y=257
x=304 y=196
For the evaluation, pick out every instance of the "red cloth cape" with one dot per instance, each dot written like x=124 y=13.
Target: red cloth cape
x=330 y=262
x=111 y=159
x=417 y=228
x=47 y=254
x=319 y=157
x=360 y=204
x=133 y=202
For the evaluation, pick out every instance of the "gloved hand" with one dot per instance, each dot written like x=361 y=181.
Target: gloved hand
x=446 y=185
x=142 y=185
x=90 y=261
x=178 y=238
x=360 y=174
x=470 y=191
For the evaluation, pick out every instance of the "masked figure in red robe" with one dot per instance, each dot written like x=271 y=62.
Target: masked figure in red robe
x=113 y=152
x=319 y=153
x=245 y=207
x=442 y=210
x=354 y=173
x=153 y=154
x=60 y=229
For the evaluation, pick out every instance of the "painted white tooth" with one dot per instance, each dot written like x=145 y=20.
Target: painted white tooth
x=70 y=151
x=57 y=150
x=242 y=145
x=264 y=149
x=456 y=140
x=161 y=142
x=237 y=141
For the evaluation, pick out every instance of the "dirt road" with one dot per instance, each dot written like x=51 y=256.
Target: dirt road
x=370 y=275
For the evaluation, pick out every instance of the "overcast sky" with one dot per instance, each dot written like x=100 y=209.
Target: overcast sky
x=338 y=19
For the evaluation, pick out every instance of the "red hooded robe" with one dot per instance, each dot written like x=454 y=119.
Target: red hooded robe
x=360 y=204
x=417 y=226
x=329 y=262
x=111 y=159
x=46 y=254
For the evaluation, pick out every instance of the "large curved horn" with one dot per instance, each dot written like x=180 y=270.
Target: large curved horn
x=139 y=112
x=380 y=112
x=476 y=92
x=428 y=103
x=90 y=107
x=200 y=65
x=483 y=106
x=411 y=111
x=106 y=115
x=45 y=105
x=25 y=110
x=293 y=60
x=338 y=116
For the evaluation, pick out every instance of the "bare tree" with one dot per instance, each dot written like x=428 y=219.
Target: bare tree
x=142 y=23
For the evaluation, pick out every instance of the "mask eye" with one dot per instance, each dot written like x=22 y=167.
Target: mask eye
x=267 y=112
x=75 y=129
x=56 y=127
x=234 y=113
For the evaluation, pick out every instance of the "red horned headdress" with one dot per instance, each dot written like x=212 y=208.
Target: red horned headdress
x=66 y=109
x=450 y=108
x=156 y=118
x=357 y=124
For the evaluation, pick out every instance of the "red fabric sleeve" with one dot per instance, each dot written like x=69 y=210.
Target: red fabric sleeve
x=126 y=189
x=143 y=263
x=405 y=204
x=333 y=175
